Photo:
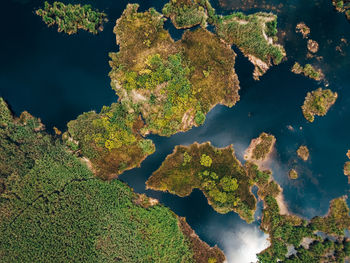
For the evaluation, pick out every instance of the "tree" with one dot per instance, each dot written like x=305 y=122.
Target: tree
x=206 y=160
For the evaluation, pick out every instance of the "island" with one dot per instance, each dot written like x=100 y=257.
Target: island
x=303 y=152
x=260 y=148
x=321 y=239
x=318 y=102
x=312 y=46
x=303 y=29
x=347 y=168
x=53 y=206
x=348 y=154
x=308 y=71
x=215 y=171
x=293 y=174
x=172 y=84
x=70 y=18
x=342 y=6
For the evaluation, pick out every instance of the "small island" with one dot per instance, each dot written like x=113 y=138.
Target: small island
x=260 y=148
x=348 y=154
x=303 y=152
x=342 y=6
x=308 y=71
x=215 y=171
x=318 y=102
x=312 y=46
x=347 y=168
x=303 y=29
x=293 y=174
x=70 y=18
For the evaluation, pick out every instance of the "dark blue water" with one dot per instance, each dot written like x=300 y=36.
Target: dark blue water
x=57 y=77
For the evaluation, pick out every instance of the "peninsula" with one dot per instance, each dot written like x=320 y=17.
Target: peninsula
x=70 y=18
x=260 y=148
x=318 y=102
x=215 y=171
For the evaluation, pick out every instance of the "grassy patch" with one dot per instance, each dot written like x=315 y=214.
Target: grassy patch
x=318 y=102
x=70 y=18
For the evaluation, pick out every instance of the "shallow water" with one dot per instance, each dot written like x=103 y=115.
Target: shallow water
x=57 y=77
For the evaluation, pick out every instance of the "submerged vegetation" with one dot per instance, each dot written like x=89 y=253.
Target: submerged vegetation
x=70 y=18
x=172 y=84
x=308 y=70
x=53 y=207
x=215 y=171
x=318 y=102
x=260 y=148
x=109 y=139
x=303 y=152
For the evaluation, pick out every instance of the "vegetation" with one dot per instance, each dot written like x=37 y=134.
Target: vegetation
x=342 y=6
x=293 y=174
x=215 y=171
x=303 y=152
x=312 y=46
x=261 y=147
x=289 y=231
x=53 y=207
x=69 y=18
x=303 y=29
x=172 y=84
x=347 y=168
x=186 y=13
x=110 y=139
x=254 y=35
x=318 y=103
x=308 y=71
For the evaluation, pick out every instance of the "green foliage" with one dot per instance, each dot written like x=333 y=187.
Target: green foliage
x=263 y=148
x=187 y=158
x=53 y=207
x=147 y=146
x=247 y=33
x=70 y=18
x=215 y=171
x=206 y=160
x=318 y=102
x=199 y=118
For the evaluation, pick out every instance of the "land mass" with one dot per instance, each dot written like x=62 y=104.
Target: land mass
x=303 y=152
x=220 y=176
x=303 y=29
x=70 y=18
x=342 y=6
x=308 y=71
x=293 y=174
x=52 y=206
x=318 y=102
x=260 y=148
x=215 y=171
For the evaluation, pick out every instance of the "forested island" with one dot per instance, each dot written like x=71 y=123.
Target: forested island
x=308 y=71
x=318 y=102
x=70 y=18
x=53 y=207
